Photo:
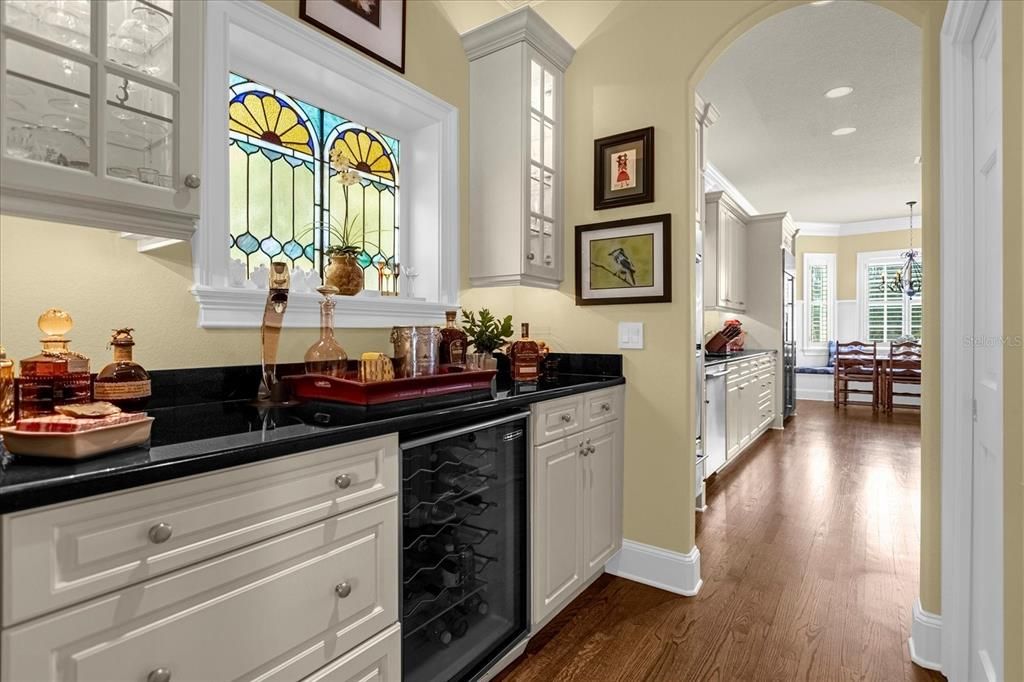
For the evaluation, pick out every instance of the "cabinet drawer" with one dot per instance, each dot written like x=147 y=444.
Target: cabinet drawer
x=378 y=660
x=557 y=419
x=602 y=406
x=275 y=611
x=63 y=555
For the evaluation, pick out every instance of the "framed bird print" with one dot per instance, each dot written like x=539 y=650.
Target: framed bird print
x=624 y=169
x=374 y=27
x=624 y=261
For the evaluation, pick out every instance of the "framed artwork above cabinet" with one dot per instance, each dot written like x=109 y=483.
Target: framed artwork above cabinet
x=103 y=132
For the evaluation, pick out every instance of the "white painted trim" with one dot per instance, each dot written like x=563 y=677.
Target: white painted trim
x=817 y=394
x=925 y=638
x=237 y=34
x=956 y=116
x=657 y=567
x=522 y=25
x=894 y=224
x=716 y=181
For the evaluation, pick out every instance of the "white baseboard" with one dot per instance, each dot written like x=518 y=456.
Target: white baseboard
x=926 y=638
x=822 y=394
x=657 y=567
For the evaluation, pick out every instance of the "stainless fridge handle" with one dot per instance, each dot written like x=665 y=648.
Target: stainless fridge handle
x=712 y=375
x=463 y=430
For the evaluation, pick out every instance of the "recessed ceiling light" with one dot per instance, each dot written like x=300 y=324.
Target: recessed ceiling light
x=819 y=3
x=843 y=131
x=841 y=91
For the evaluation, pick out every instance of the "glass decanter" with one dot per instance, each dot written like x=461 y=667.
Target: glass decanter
x=123 y=382
x=57 y=375
x=326 y=356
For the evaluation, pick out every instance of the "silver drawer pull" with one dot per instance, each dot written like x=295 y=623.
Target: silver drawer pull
x=531 y=256
x=192 y=181
x=343 y=481
x=159 y=534
x=605 y=407
x=591 y=450
x=342 y=590
x=566 y=418
x=159 y=675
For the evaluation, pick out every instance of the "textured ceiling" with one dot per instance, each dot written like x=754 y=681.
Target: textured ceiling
x=773 y=139
x=574 y=19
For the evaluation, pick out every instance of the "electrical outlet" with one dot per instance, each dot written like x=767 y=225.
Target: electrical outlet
x=631 y=335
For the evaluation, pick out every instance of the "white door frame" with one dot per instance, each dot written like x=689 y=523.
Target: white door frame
x=957 y=210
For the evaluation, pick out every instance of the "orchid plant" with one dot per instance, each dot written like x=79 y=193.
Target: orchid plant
x=347 y=176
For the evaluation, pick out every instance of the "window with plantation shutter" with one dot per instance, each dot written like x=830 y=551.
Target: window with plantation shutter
x=887 y=314
x=819 y=299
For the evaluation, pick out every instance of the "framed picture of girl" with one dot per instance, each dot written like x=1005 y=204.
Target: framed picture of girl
x=624 y=169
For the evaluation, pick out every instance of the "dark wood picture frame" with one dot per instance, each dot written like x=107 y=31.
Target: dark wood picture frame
x=400 y=68
x=666 y=240
x=642 y=136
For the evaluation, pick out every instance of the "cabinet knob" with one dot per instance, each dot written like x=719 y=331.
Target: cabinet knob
x=566 y=418
x=547 y=260
x=159 y=675
x=605 y=407
x=591 y=450
x=159 y=534
x=342 y=590
x=192 y=181
x=343 y=481
x=531 y=256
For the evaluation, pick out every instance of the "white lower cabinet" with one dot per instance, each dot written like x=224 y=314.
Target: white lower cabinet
x=288 y=606
x=749 y=402
x=576 y=507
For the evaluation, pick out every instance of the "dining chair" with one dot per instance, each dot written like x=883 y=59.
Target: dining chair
x=856 y=363
x=902 y=368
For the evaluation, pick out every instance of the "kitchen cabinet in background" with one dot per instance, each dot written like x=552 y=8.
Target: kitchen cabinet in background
x=725 y=254
x=749 y=404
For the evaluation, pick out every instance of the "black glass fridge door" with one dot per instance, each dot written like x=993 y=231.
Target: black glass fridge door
x=464 y=549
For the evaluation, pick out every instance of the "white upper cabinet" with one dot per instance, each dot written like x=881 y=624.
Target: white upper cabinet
x=517 y=64
x=101 y=112
x=725 y=254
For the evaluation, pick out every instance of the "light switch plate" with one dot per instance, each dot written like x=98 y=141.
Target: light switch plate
x=631 y=335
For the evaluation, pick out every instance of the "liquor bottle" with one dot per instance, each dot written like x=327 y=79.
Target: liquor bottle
x=438 y=632
x=453 y=342
x=475 y=604
x=326 y=356
x=439 y=546
x=6 y=389
x=57 y=375
x=123 y=382
x=525 y=357
x=427 y=514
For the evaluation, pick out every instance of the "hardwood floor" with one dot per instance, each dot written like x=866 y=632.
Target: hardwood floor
x=809 y=554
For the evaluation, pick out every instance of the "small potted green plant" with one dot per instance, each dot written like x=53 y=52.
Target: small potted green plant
x=487 y=333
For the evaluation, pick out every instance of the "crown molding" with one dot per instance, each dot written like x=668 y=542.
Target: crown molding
x=716 y=181
x=894 y=224
x=523 y=25
x=707 y=113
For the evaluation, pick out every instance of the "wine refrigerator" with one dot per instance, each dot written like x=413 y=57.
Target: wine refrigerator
x=464 y=548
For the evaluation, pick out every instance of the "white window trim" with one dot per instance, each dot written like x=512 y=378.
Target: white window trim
x=251 y=38
x=864 y=259
x=829 y=260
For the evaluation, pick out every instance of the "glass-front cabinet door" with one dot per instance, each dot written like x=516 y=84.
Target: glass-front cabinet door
x=101 y=112
x=544 y=241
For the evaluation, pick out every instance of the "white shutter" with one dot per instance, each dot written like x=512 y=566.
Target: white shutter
x=818 y=306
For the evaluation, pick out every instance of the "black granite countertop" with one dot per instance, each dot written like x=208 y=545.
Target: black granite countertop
x=201 y=437
x=710 y=360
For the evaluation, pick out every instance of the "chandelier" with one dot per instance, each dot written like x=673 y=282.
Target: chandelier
x=908 y=280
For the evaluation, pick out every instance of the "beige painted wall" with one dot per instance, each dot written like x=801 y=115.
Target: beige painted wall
x=846 y=250
x=1013 y=321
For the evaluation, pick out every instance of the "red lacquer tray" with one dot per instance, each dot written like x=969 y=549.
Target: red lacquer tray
x=353 y=392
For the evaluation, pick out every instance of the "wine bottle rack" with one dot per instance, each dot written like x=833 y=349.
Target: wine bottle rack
x=425 y=619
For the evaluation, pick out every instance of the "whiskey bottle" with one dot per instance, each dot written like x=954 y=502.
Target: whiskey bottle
x=57 y=375
x=6 y=389
x=438 y=632
x=453 y=342
x=525 y=357
x=123 y=382
x=475 y=604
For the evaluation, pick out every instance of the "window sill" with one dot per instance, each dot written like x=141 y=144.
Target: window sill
x=240 y=308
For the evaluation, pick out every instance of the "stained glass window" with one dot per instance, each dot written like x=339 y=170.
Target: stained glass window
x=283 y=197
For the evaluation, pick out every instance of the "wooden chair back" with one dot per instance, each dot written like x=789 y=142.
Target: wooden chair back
x=856 y=356
x=905 y=350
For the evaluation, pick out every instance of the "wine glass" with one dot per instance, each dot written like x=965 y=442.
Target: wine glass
x=411 y=274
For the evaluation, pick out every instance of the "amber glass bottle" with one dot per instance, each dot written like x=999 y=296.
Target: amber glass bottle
x=57 y=375
x=6 y=389
x=453 y=342
x=123 y=382
x=525 y=357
